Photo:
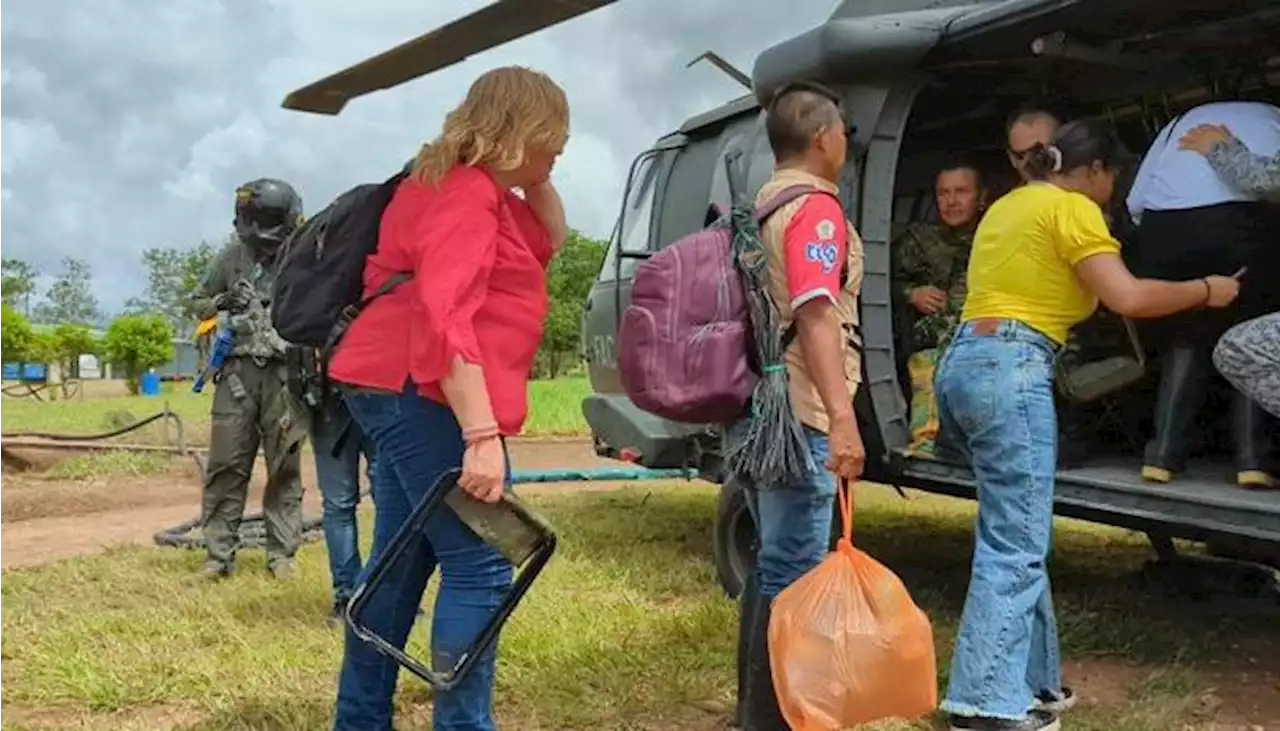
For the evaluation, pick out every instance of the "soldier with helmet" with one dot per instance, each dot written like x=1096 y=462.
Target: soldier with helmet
x=252 y=403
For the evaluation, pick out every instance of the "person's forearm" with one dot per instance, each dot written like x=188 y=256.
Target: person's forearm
x=1151 y=298
x=545 y=201
x=468 y=396
x=1256 y=175
x=822 y=345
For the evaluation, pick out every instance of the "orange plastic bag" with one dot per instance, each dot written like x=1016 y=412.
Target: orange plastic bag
x=847 y=644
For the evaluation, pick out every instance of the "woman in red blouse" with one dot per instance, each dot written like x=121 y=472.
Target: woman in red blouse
x=435 y=372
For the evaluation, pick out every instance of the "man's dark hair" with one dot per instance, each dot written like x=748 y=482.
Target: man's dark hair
x=962 y=162
x=1028 y=115
x=796 y=113
x=1077 y=144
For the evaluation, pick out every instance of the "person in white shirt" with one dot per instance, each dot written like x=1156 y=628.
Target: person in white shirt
x=1193 y=221
x=1248 y=355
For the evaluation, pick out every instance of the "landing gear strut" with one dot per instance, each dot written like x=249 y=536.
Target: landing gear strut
x=1203 y=577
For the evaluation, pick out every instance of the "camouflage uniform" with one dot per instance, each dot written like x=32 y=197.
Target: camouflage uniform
x=1258 y=175
x=252 y=405
x=1248 y=355
x=928 y=255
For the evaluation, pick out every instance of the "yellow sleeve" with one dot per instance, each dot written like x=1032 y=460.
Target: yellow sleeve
x=1081 y=231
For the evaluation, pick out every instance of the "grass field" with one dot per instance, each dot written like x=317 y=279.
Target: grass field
x=626 y=630
x=555 y=409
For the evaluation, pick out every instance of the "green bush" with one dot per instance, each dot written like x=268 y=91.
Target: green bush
x=137 y=343
x=16 y=336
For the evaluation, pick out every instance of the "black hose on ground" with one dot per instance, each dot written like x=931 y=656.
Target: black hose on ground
x=166 y=414
x=253 y=533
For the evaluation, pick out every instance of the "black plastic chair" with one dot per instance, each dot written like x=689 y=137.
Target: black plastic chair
x=534 y=544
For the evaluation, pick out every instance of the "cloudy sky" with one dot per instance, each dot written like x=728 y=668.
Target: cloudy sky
x=127 y=124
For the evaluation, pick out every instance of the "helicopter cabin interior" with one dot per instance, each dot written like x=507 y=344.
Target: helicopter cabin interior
x=1137 y=65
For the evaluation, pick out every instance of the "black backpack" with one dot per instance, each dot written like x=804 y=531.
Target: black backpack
x=320 y=281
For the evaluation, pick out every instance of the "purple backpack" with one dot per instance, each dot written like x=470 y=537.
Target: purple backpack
x=685 y=346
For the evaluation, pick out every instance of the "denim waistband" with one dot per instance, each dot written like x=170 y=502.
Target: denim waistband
x=1008 y=330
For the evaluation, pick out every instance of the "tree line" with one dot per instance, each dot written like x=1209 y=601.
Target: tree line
x=56 y=325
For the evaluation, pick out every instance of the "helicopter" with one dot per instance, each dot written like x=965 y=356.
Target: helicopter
x=920 y=80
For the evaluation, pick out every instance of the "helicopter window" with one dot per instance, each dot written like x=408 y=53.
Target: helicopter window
x=635 y=224
x=720 y=176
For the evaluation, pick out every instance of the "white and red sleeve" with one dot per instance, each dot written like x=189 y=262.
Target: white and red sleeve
x=815 y=246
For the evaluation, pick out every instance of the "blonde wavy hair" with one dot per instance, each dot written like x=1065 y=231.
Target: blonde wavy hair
x=509 y=112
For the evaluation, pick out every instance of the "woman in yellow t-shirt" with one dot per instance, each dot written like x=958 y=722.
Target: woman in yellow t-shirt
x=1042 y=259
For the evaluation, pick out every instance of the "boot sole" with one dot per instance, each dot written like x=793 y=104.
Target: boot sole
x=1156 y=474
x=1255 y=480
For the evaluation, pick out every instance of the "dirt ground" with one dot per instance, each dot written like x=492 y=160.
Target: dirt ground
x=44 y=520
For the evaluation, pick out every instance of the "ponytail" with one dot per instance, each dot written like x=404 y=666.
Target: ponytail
x=1076 y=144
x=1041 y=161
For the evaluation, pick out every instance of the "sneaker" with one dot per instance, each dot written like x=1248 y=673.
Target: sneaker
x=1055 y=703
x=281 y=570
x=217 y=570
x=1035 y=721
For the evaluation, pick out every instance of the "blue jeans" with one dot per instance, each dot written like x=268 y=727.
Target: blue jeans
x=339 y=479
x=794 y=523
x=417 y=440
x=995 y=395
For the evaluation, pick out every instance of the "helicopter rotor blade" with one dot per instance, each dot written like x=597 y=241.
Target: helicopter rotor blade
x=490 y=26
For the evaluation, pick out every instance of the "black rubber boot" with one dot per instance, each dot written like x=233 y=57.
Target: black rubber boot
x=759 y=703
x=1182 y=374
x=1252 y=443
x=747 y=606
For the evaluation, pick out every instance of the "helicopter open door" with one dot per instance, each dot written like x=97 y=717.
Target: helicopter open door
x=486 y=28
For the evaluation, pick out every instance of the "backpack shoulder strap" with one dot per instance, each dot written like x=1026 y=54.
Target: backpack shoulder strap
x=785 y=196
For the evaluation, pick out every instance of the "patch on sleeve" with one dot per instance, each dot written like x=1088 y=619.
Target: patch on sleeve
x=826 y=229
x=822 y=252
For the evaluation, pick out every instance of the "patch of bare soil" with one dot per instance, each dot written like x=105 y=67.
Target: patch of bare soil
x=1242 y=697
x=150 y=718
x=1102 y=681
x=29 y=497
x=47 y=520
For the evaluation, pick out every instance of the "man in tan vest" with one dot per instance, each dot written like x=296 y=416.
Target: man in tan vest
x=815 y=270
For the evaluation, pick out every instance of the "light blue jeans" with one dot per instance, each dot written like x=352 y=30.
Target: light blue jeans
x=794 y=522
x=995 y=397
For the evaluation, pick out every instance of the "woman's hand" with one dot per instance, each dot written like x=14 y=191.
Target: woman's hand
x=1203 y=137
x=484 y=470
x=1222 y=291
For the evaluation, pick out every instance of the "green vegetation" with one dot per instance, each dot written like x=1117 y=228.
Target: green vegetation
x=625 y=630
x=137 y=343
x=108 y=464
x=569 y=281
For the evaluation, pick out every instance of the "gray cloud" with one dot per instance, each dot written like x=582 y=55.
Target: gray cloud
x=126 y=125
